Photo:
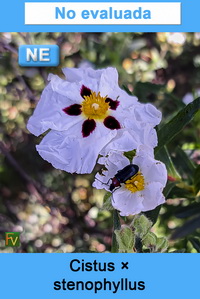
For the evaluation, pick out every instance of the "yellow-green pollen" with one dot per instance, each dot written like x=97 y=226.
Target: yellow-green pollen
x=136 y=183
x=94 y=106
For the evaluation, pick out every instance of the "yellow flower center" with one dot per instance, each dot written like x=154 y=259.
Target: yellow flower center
x=94 y=106
x=136 y=183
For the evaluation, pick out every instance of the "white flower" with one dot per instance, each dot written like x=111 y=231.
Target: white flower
x=189 y=97
x=143 y=191
x=176 y=38
x=85 y=112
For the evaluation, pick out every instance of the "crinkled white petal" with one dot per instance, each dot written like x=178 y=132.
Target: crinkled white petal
x=152 y=196
x=152 y=169
x=71 y=90
x=103 y=80
x=128 y=139
x=108 y=81
x=49 y=114
x=78 y=74
x=135 y=131
x=74 y=153
x=147 y=113
x=123 y=142
x=126 y=202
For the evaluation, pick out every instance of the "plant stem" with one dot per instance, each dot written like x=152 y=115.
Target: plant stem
x=116 y=225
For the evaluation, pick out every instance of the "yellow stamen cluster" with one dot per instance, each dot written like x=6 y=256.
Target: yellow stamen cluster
x=94 y=106
x=136 y=183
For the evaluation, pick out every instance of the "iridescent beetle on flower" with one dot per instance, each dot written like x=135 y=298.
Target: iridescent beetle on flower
x=140 y=192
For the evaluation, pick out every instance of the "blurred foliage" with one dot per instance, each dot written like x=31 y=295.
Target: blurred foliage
x=59 y=212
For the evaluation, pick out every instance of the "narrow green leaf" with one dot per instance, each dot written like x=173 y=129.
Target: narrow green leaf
x=184 y=163
x=168 y=188
x=187 y=228
x=127 y=90
x=188 y=211
x=197 y=179
x=195 y=243
x=163 y=155
x=177 y=123
x=178 y=251
x=181 y=192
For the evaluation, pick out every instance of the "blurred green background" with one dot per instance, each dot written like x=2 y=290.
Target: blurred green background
x=60 y=212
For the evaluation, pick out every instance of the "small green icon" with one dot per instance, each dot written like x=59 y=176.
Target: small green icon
x=12 y=239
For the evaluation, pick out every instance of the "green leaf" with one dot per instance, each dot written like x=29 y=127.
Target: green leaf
x=188 y=211
x=146 y=91
x=177 y=123
x=184 y=163
x=181 y=192
x=127 y=90
x=187 y=228
x=107 y=202
x=153 y=214
x=168 y=188
x=163 y=155
x=197 y=179
x=125 y=239
x=195 y=243
x=172 y=99
x=161 y=244
x=130 y=155
x=141 y=225
x=178 y=251
x=149 y=239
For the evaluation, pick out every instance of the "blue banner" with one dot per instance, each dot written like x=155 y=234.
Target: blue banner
x=99 y=16
x=99 y=275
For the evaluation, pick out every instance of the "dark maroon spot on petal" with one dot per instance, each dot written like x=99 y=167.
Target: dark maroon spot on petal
x=73 y=109
x=111 y=123
x=85 y=91
x=113 y=104
x=88 y=127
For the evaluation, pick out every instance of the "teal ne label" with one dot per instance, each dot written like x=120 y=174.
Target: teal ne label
x=38 y=55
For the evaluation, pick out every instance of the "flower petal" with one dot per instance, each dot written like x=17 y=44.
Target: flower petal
x=148 y=113
x=48 y=113
x=153 y=170
x=73 y=153
x=71 y=90
x=126 y=202
x=153 y=196
x=78 y=74
x=108 y=81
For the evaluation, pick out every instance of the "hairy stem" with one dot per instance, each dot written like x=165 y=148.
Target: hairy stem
x=116 y=225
